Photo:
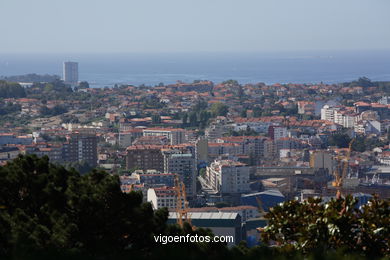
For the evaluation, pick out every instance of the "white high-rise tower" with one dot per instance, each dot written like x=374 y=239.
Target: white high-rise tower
x=71 y=72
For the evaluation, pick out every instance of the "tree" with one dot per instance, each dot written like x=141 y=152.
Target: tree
x=81 y=167
x=184 y=119
x=8 y=108
x=257 y=111
x=11 y=90
x=219 y=109
x=156 y=119
x=230 y=82
x=50 y=212
x=312 y=224
x=204 y=117
x=243 y=113
x=46 y=207
x=55 y=111
x=83 y=85
x=340 y=140
x=202 y=172
x=193 y=119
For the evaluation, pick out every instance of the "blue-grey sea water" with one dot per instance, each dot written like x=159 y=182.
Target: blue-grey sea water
x=285 y=67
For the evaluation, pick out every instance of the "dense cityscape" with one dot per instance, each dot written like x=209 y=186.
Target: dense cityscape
x=218 y=155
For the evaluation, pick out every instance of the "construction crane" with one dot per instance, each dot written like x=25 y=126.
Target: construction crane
x=131 y=187
x=181 y=203
x=343 y=167
x=260 y=206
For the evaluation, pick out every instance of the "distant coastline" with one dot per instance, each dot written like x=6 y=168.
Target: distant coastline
x=102 y=70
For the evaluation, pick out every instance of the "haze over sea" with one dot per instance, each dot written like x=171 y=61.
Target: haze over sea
x=150 y=69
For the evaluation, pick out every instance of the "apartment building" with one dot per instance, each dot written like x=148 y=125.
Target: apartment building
x=175 y=135
x=227 y=176
x=184 y=165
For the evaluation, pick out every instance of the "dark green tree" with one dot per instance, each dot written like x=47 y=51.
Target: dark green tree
x=340 y=140
x=156 y=119
x=243 y=113
x=219 y=109
x=257 y=111
x=339 y=223
x=185 y=119
x=193 y=119
x=83 y=85
x=46 y=207
x=11 y=90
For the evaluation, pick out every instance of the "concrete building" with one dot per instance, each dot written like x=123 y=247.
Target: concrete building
x=248 y=145
x=215 y=131
x=227 y=176
x=82 y=146
x=368 y=127
x=54 y=152
x=185 y=166
x=162 y=197
x=201 y=150
x=8 y=153
x=268 y=199
x=345 y=118
x=277 y=132
x=322 y=160
x=145 y=157
x=175 y=135
x=71 y=72
x=384 y=100
x=153 y=179
x=127 y=137
x=327 y=113
x=246 y=212
x=10 y=138
x=306 y=107
x=220 y=223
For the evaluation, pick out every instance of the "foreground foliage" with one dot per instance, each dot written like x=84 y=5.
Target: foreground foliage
x=339 y=223
x=50 y=212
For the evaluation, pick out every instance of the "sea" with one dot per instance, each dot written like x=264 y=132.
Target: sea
x=108 y=69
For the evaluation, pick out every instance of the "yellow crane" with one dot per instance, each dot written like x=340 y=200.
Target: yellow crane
x=260 y=206
x=181 y=203
x=344 y=163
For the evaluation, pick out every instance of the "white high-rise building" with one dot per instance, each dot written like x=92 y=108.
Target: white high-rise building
x=71 y=72
x=328 y=113
x=227 y=176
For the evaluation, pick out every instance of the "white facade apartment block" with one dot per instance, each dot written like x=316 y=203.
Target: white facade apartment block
x=162 y=197
x=227 y=176
x=71 y=72
x=327 y=113
x=175 y=136
x=280 y=132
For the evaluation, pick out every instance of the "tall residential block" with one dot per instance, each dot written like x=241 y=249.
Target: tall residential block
x=145 y=157
x=82 y=147
x=71 y=72
x=184 y=165
x=227 y=176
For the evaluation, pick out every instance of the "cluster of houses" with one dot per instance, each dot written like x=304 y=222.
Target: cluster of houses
x=287 y=153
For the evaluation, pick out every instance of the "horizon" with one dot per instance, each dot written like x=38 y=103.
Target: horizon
x=192 y=26
x=108 y=69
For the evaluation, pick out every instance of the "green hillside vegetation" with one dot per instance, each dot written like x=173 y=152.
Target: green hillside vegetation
x=11 y=90
x=50 y=212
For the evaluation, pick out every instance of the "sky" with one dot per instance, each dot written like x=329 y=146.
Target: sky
x=148 y=26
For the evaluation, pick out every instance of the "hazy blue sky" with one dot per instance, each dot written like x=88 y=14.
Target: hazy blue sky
x=192 y=25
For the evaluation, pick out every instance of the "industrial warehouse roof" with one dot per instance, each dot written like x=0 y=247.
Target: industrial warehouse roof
x=267 y=192
x=210 y=219
x=207 y=215
x=181 y=155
